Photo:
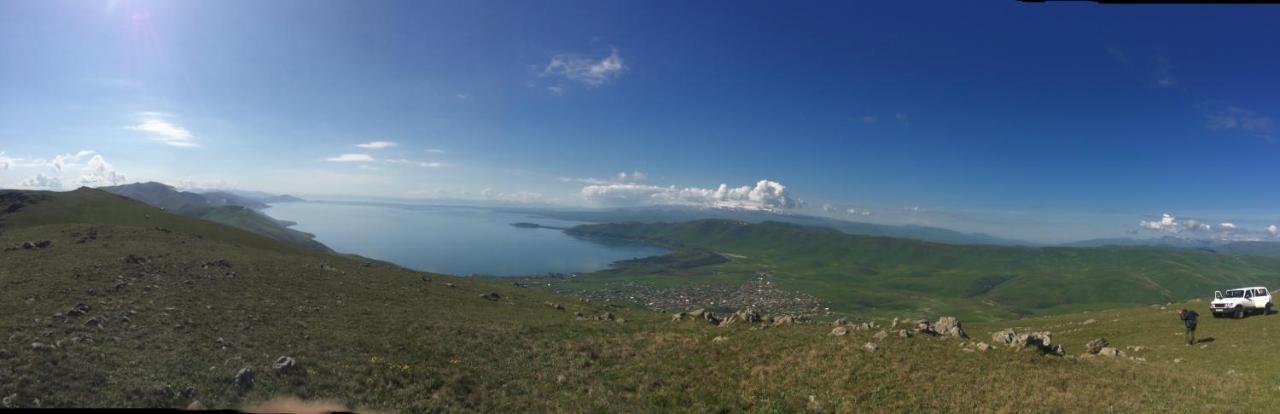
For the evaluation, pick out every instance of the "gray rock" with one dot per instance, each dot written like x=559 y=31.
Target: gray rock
x=1095 y=346
x=6 y=354
x=679 y=316
x=244 y=378
x=1109 y=352
x=284 y=364
x=881 y=335
x=870 y=347
x=41 y=346
x=10 y=401
x=904 y=333
x=79 y=309
x=949 y=326
x=491 y=296
x=839 y=331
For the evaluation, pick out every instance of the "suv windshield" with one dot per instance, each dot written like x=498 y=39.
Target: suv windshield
x=1234 y=294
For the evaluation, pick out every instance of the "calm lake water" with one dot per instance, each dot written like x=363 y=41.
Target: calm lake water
x=453 y=240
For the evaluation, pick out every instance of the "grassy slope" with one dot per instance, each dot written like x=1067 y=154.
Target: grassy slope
x=381 y=337
x=861 y=273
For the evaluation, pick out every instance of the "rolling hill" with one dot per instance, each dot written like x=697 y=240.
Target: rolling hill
x=120 y=304
x=219 y=207
x=853 y=273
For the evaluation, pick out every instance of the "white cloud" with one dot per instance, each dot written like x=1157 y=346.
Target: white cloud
x=351 y=158
x=524 y=197
x=634 y=176
x=164 y=131
x=1227 y=226
x=619 y=178
x=377 y=144
x=1234 y=118
x=555 y=90
x=462 y=96
x=100 y=173
x=1275 y=231
x=6 y=162
x=856 y=212
x=64 y=160
x=43 y=182
x=435 y=151
x=430 y=164
x=397 y=161
x=369 y=167
x=765 y=195
x=589 y=71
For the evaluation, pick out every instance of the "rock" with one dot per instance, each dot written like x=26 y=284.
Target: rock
x=41 y=346
x=195 y=406
x=10 y=401
x=784 y=320
x=1041 y=341
x=697 y=313
x=491 y=296
x=949 y=326
x=1096 y=345
x=326 y=266
x=870 y=347
x=560 y=379
x=1177 y=360
x=982 y=347
x=79 y=309
x=679 y=316
x=839 y=331
x=841 y=321
x=904 y=333
x=6 y=354
x=711 y=318
x=1089 y=322
x=1109 y=352
x=244 y=378
x=284 y=364
x=923 y=326
x=719 y=339
x=93 y=323
x=894 y=324
x=881 y=335
x=450 y=285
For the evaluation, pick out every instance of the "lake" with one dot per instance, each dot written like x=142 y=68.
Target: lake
x=454 y=240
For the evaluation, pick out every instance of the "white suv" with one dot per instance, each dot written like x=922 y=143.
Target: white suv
x=1240 y=302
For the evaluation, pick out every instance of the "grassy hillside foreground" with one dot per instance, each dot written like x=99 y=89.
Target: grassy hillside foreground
x=177 y=307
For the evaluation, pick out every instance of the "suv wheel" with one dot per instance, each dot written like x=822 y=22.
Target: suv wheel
x=1267 y=309
x=1239 y=313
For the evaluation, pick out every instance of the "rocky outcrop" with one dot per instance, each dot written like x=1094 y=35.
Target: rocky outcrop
x=1040 y=341
x=244 y=378
x=1095 y=346
x=949 y=326
x=839 y=331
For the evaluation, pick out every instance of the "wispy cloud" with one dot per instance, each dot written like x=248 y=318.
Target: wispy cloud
x=589 y=71
x=377 y=145
x=351 y=158
x=1235 y=118
x=430 y=164
x=1164 y=73
x=1120 y=56
x=397 y=161
x=160 y=129
x=555 y=90
x=435 y=151
x=619 y=178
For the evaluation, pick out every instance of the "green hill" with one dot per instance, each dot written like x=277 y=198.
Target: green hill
x=176 y=307
x=219 y=207
x=879 y=274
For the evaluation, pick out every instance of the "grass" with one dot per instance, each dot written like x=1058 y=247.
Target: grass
x=880 y=275
x=383 y=338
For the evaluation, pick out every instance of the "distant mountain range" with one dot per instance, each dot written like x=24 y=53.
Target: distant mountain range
x=233 y=208
x=1257 y=248
x=684 y=214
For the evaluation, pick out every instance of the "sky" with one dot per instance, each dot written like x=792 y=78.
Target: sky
x=1045 y=122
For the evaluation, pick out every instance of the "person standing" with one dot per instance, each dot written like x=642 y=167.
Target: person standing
x=1189 y=320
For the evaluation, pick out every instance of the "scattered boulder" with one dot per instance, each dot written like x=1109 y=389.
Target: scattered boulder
x=949 y=326
x=904 y=333
x=450 y=285
x=679 y=316
x=719 y=339
x=1095 y=346
x=244 y=378
x=1041 y=341
x=743 y=315
x=1110 y=352
x=923 y=326
x=697 y=313
x=841 y=321
x=93 y=323
x=10 y=401
x=79 y=309
x=839 y=331
x=982 y=347
x=870 y=347
x=881 y=335
x=41 y=346
x=135 y=260
x=285 y=364
x=491 y=296
x=784 y=320
x=1089 y=322
x=328 y=267
x=195 y=406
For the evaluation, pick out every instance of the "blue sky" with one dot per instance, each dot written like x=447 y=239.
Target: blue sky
x=1047 y=122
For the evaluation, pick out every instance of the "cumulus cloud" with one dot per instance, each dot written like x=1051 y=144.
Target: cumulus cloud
x=43 y=182
x=589 y=71
x=764 y=195
x=1273 y=230
x=62 y=161
x=99 y=173
x=154 y=124
x=351 y=158
x=1234 y=118
x=1166 y=223
x=1227 y=226
x=856 y=212
x=6 y=162
x=377 y=144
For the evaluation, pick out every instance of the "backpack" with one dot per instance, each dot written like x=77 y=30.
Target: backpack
x=1191 y=320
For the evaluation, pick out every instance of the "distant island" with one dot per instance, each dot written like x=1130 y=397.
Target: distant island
x=525 y=225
